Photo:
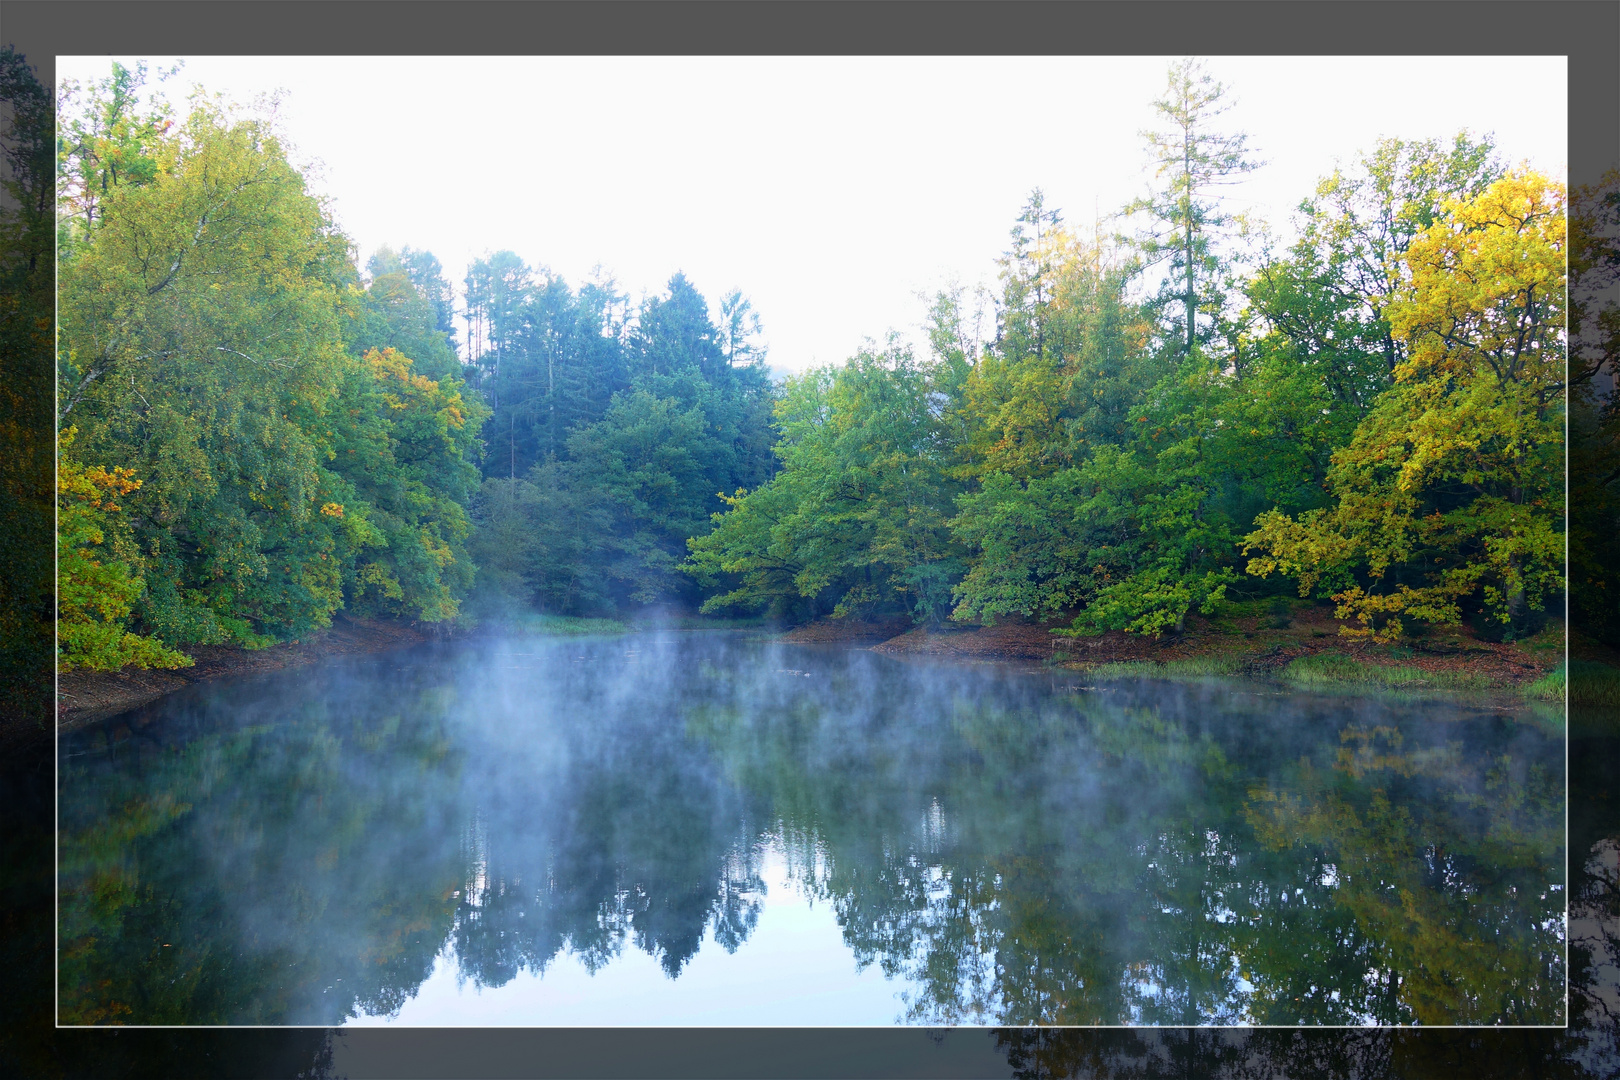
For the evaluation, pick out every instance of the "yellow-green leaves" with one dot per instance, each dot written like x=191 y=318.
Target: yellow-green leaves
x=1449 y=494
x=98 y=574
x=1487 y=289
x=200 y=341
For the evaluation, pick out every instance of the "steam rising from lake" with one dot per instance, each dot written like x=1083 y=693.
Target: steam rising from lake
x=710 y=828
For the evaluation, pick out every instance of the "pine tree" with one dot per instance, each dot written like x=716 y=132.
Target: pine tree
x=1190 y=161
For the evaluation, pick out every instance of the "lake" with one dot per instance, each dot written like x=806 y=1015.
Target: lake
x=708 y=828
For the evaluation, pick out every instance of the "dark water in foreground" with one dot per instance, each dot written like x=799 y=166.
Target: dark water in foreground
x=706 y=829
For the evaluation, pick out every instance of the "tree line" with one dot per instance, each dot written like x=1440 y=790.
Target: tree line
x=1372 y=414
x=257 y=432
x=252 y=435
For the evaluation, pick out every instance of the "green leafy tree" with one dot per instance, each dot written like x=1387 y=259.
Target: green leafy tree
x=615 y=485
x=405 y=447
x=496 y=290
x=1058 y=382
x=1349 y=264
x=427 y=274
x=98 y=576
x=857 y=517
x=1089 y=493
x=644 y=462
x=558 y=371
x=1124 y=537
x=1450 y=491
x=1027 y=273
x=397 y=313
x=201 y=341
x=537 y=542
x=674 y=332
x=106 y=140
x=740 y=330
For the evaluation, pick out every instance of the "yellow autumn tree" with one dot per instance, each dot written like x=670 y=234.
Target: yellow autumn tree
x=1449 y=497
x=98 y=578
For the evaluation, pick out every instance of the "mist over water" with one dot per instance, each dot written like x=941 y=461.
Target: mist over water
x=709 y=828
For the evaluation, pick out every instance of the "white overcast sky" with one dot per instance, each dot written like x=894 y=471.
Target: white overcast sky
x=831 y=190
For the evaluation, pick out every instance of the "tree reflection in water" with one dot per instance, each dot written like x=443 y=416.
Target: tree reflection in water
x=1168 y=864
x=1008 y=848
x=220 y=866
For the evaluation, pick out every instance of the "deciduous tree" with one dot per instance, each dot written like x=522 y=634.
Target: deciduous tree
x=1449 y=496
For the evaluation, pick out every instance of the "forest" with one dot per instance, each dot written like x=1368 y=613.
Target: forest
x=1150 y=417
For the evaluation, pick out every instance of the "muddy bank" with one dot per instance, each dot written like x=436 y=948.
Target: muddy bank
x=847 y=631
x=1023 y=640
x=1263 y=644
x=86 y=696
x=1004 y=641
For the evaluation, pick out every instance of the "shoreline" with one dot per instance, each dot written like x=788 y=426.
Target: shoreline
x=1255 y=646
x=1258 y=645
x=85 y=697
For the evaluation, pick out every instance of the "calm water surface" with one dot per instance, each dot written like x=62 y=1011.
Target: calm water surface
x=711 y=829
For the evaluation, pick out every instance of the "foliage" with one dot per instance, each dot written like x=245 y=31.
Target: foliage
x=555 y=358
x=1374 y=412
x=1135 y=536
x=106 y=141
x=1116 y=534
x=398 y=312
x=98 y=579
x=1068 y=365
x=1106 y=481
x=617 y=484
x=405 y=449
x=534 y=544
x=1449 y=491
x=200 y=330
x=293 y=460
x=1349 y=265
x=1079 y=504
x=857 y=518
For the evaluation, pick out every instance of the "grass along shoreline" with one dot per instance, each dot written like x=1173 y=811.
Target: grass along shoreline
x=1295 y=644
x=1582 y=682
x=1298 y=642
x=1323 y=670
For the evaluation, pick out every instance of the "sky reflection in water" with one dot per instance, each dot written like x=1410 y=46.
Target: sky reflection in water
x=709 y=829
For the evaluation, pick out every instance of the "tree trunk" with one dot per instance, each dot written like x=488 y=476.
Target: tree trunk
x=1186 y=166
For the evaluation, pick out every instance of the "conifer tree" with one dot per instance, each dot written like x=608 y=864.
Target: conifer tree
x=1190 y=160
